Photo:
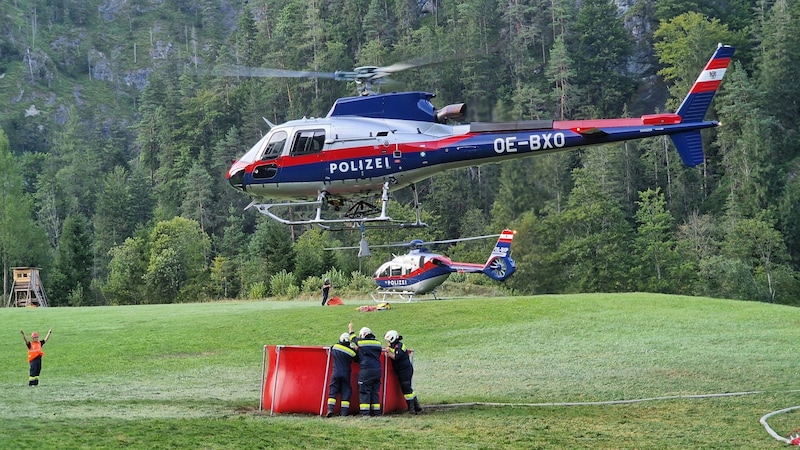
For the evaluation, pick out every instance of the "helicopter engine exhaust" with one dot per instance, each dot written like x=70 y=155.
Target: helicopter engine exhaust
x=451 y=112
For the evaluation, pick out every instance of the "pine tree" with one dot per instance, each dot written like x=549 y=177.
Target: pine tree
x=779 y=56
x=72 y=272
x=601 y=55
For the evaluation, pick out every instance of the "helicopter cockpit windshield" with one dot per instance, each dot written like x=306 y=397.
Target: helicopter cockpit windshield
x=255 y=150
x=275 y=146
x=268 y=147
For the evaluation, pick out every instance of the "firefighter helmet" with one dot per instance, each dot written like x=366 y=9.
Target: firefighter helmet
x=392 y=336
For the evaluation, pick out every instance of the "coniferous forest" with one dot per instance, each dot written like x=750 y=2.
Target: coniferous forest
x=116 y=133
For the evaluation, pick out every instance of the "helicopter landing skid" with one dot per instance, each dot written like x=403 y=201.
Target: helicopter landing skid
x=380 y=296
x=266 y=209
x=360 y=213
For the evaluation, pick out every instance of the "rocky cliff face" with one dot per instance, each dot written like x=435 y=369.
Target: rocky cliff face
x=639 y=20
x=56 y=55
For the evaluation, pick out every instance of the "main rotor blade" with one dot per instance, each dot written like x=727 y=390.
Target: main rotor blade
x=264 y=72
x=418 y=62
x=363 y=74
x=449 y=241
x=342 y=248
x=421 y=243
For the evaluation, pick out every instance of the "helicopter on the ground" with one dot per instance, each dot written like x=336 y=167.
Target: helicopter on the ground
x=369 y=145
x=421 y=271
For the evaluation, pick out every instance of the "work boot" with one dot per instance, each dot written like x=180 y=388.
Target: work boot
x=410 y=406
x=417 y=408
x=345 y=411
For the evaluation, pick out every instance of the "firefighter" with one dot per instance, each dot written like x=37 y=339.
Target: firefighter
x=403 y=368
x=35 y=354
x=368 y=350
x=343 y=356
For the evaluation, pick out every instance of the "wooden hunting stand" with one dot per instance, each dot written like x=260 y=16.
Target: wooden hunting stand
x=27 y=289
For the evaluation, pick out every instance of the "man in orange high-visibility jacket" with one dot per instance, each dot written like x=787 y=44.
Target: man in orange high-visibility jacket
x=35 y=354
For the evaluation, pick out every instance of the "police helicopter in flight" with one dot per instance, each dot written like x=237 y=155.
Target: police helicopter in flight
x=421 y=271
x=372 y=144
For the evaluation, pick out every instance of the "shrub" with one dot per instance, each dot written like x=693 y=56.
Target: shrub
x=360 y=282
x=281 y=284
x=257 y=290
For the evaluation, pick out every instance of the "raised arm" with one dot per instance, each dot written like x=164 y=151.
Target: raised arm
x=24 y=337
x=47 y=338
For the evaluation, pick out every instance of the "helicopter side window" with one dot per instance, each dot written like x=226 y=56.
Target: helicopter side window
x=397 y=271
x=275 y=145
x=307 y=142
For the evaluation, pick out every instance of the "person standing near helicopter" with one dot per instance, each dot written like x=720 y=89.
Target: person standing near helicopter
x=326 y=288
x=403 y=368
x=369 y=350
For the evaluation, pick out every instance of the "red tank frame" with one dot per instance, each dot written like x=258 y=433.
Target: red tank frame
x=295 y=380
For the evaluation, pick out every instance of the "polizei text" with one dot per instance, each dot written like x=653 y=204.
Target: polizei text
x=359 y=165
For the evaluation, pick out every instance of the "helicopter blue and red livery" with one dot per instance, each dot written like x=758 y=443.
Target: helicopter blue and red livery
x=370 y=145
x=420 y=271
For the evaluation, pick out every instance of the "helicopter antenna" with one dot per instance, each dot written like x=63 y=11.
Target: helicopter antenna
x=271 y=125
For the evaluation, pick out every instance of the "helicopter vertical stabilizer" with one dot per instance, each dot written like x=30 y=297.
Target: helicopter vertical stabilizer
x=500 y=266
x=696 y=104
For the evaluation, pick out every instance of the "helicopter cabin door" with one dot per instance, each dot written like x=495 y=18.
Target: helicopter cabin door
x=307 y=146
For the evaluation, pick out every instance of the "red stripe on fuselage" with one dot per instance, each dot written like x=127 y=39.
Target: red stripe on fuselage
x=596 y=123
x=346 y=154
x=334 y=155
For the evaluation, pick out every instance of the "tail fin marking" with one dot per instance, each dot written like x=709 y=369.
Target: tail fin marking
x=503 y=246
x=696 y=103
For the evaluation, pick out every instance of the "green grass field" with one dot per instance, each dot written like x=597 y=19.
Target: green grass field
x=524 y=371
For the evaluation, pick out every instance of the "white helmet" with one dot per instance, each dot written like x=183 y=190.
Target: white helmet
x=345 y=337
x=364 y=332
x=392 y=336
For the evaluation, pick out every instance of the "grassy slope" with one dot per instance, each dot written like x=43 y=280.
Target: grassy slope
x=187 y=376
